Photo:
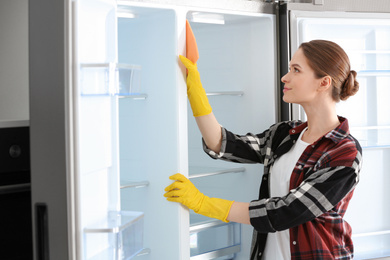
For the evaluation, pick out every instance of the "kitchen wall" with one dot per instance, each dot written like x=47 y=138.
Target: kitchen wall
x=14 y=95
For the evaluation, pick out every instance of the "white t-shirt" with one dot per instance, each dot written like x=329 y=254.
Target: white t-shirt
x=278 y=244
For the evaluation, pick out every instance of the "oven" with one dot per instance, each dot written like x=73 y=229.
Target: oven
x=15 y=192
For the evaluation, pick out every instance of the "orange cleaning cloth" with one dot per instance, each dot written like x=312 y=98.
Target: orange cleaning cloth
x=192 y=49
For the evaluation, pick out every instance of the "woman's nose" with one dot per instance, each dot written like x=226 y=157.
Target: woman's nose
x=284 y=78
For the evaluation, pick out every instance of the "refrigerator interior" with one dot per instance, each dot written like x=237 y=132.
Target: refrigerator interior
x=366 y=40
x=237 y=68
x=237 y=65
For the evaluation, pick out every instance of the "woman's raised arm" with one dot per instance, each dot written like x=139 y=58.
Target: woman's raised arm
x=201 y=109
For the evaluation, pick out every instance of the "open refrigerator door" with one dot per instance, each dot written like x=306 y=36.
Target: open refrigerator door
x=104 y=231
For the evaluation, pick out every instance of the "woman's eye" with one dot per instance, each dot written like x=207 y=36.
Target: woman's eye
x=293 y=69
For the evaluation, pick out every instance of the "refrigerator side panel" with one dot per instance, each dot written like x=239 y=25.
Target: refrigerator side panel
x=14 y=54
x=47 y=58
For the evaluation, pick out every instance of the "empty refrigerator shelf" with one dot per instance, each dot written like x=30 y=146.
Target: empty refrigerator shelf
x=372 y=136
x=109 y=79
x=363 y=51
x=371 y=245
x=134 y=96
x=369 y=234
x=218 y=253
x=201 y=226
x=373 y=73
x=198 y=172
x=133 y=184
x=225 y=93
x=116 y=222
x=118 y=236
x=211 y=238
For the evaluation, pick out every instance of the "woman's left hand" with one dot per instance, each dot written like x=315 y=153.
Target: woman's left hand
x=184 y=192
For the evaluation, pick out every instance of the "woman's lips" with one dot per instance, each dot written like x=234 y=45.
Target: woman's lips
x=286 y=89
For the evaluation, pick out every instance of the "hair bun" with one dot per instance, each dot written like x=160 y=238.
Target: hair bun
x=350 y=86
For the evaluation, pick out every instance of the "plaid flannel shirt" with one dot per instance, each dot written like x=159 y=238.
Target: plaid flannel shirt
x=321 y=186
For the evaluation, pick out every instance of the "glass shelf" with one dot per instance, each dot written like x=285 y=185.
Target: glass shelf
x=373 y=73
x=120 y=234
x=210 y=239
x=198 y=172
x=111 y=79
x=370 y=61
x=372 y=245
x=372 y=137
x=134 y=96
x=369 y=51
x=133 y=184
x=226 y=93
x=140 y=96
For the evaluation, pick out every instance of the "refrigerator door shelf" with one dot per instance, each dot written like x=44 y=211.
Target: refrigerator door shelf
x=213 y=239
x=101 y=79
x=120 y=234
x=198 y=172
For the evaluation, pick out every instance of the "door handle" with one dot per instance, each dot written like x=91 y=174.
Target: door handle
x=42 y=231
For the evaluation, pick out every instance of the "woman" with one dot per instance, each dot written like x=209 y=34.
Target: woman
x=310 y=168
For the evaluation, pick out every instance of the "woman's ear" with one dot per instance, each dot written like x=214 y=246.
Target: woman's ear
x=325 y=84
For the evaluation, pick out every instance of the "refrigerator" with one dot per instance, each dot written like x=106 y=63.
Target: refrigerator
x=110 y=120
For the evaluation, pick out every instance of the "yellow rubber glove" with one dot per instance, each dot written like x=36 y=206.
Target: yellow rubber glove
x=184 y=192
x=196 y=94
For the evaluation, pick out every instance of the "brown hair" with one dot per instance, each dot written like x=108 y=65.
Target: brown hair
x=327 y=58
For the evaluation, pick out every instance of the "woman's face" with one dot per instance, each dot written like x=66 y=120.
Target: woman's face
x=300 y=83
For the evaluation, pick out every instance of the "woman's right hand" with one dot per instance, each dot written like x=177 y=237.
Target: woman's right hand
x=196 y=94
x=201 y=109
